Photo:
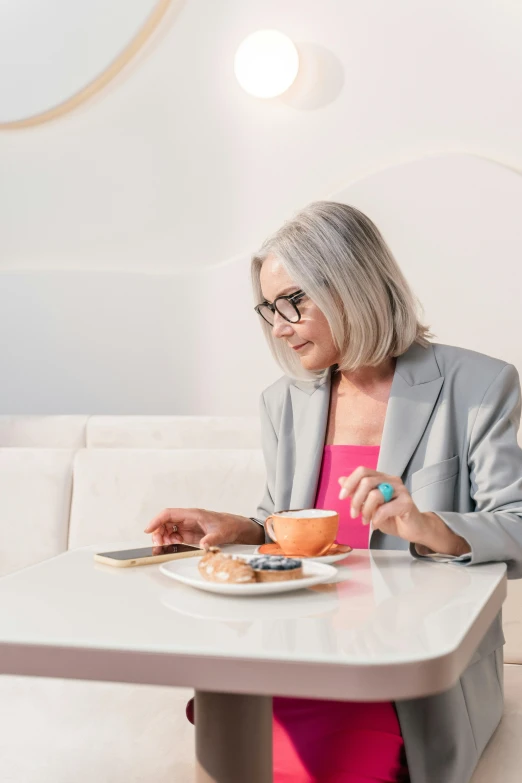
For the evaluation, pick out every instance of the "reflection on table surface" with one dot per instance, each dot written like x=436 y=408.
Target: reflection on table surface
x=382 y=603
x=382 y=607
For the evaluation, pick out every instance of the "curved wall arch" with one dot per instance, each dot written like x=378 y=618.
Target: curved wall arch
x=35 y=86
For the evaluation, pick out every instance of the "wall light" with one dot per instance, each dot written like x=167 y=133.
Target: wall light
x=266 y=63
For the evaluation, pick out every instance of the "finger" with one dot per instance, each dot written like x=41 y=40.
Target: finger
x=163 y=539
x=373 y=501
x=350 y=483
x=160 y=540
x=164 y=534
x=395 y=508
x=160 y=531
x=212 y=539
x=174 y=538
x=173 y=516
x=158 y=522
x=191 y=537
x=366 y=485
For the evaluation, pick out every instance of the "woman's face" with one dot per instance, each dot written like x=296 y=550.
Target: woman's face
x=311 y=338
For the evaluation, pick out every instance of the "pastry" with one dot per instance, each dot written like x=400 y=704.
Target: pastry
x=276 y=569
x=217 y=567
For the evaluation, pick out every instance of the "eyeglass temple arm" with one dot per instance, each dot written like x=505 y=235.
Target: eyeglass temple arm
x=271 y=305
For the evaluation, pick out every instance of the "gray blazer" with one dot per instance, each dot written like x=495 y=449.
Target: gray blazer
x=451 y=434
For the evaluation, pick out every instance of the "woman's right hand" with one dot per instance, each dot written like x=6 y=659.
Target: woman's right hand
x=203 y=528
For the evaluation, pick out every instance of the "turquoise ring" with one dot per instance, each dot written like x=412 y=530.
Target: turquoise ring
x=386 y=490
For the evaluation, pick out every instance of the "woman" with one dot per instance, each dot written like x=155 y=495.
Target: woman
x=368 y=401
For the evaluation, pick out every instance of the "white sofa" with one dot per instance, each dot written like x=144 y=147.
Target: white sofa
x=70 y=481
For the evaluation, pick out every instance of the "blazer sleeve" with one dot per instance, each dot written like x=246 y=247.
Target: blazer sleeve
x=494 y=529
x=269 y=444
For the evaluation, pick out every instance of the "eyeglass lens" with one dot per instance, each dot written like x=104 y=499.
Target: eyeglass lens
x=284 y=307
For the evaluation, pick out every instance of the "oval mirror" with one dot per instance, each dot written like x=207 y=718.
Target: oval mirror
x=55 y=54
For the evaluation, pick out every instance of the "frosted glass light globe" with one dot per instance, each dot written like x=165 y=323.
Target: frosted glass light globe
x=266 y=63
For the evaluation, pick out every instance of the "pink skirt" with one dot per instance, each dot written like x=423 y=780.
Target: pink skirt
x=337 y=742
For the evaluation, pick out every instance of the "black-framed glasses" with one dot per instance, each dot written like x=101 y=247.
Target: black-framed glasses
x=285 y=305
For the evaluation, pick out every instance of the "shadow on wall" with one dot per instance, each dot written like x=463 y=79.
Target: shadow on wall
x=319 y=81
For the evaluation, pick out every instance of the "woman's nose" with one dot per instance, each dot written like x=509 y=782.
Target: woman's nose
x=281 y=327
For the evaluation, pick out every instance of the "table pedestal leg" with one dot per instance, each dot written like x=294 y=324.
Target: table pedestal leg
x=233 y=738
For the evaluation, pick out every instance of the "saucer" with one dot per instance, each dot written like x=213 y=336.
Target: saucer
x=335 y=553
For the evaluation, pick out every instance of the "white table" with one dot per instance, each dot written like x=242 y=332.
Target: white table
x=390 y=627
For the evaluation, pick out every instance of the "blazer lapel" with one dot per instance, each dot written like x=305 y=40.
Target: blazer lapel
x=415 y=389
x=310 y=404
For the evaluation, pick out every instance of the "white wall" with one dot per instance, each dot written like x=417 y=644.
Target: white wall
x=112 y=217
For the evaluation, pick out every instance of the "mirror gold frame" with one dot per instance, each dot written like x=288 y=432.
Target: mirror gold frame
x=99 y=82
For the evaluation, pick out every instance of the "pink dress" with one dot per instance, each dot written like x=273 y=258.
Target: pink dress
x=334 y=741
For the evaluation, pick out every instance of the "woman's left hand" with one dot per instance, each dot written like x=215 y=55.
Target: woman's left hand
x=399 y=517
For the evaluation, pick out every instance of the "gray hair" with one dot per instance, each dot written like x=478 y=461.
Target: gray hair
x=337 y=256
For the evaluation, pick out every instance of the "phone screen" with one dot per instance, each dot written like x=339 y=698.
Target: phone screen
x=150 y=551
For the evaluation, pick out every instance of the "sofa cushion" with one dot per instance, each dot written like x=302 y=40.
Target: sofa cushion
x=501 y=762
x=174 y=432
x=35 y=498
x=51 y=432
x=117 y=492
x=512 y=622
x=59 y=731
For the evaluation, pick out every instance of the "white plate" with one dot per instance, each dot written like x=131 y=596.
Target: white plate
x=186 y=571
x=325 y=559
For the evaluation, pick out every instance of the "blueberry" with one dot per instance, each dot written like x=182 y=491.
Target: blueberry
x=274 y=563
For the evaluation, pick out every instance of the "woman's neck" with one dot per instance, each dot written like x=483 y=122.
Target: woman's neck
x=366 y=379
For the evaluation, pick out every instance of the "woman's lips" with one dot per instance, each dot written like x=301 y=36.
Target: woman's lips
x=298 y=347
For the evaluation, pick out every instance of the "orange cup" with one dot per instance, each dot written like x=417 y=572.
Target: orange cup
x=307 y=532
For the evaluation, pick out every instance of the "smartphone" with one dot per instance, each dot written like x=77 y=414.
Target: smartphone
x=148 y=555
